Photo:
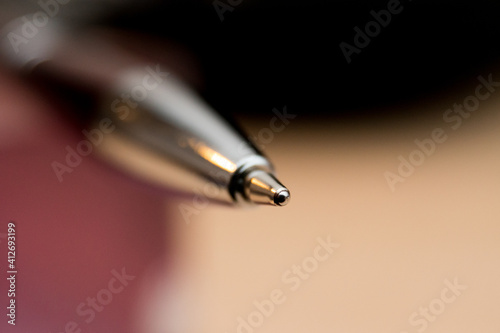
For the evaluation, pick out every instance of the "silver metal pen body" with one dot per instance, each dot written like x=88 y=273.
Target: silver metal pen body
x=156 y=127
x=169 y=136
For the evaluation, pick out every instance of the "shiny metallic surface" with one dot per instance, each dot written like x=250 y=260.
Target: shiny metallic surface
x=282 y=198
x=156 y=127
x=262 y=187
x=174 y=138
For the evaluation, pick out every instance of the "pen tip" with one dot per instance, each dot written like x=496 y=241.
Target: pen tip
x=282 y=197
x=262 y=187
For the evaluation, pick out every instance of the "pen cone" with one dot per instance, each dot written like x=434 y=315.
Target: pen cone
x=263 y=188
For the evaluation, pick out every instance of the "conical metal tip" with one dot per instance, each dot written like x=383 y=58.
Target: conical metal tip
x=282 y=197
x=263 y=188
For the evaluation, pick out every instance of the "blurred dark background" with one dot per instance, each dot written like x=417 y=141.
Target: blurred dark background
x=267 y=54
x=271 y=53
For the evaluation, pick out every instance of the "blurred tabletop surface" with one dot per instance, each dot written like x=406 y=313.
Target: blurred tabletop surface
x=393 y=224
x=348 y=254
x=424 y=257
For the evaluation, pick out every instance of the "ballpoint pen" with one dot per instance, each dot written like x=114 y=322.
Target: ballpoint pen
x=148 y=123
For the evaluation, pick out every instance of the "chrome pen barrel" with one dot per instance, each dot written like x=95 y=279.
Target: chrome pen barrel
x=156 y=127
x=167 y=125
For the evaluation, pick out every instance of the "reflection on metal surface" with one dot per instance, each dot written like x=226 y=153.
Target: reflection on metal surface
x=262 y=187
x=214 y=157
x=177 y=128
x=158 y=129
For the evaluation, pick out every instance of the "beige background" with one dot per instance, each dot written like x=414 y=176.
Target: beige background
x=396 y=249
